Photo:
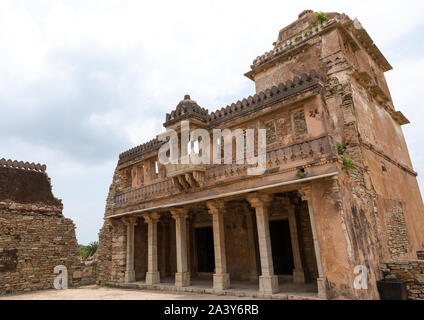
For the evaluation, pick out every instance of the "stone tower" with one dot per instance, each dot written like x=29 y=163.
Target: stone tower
x=381 y=209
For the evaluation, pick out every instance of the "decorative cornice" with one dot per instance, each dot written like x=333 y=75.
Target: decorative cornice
x=144 y=148
x=265 y=98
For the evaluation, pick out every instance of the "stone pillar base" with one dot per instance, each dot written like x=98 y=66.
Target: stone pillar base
x=298 y=276
x=129 y=276
x=322 y=288
x=268 y=284
x=152 y=277
x=182 y=279
x=221 y=281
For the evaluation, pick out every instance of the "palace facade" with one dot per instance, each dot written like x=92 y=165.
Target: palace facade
x=339 y=190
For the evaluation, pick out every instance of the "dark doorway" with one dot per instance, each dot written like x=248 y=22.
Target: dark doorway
x=205 y=250
x=282 y=255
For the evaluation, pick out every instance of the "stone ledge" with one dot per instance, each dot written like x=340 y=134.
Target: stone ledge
x=227 y=292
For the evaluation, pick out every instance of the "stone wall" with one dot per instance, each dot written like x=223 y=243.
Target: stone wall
x=104 y=254
x=35 y=237
x=411 y=271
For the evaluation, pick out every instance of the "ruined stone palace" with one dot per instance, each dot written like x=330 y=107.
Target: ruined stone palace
x=339 y=190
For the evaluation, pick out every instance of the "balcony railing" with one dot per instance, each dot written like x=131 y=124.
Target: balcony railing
x=185 y=177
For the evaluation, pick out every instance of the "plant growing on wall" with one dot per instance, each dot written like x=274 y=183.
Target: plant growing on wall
x=321 y=17
x=301 y=173
x=347 y=163
x=340 y=148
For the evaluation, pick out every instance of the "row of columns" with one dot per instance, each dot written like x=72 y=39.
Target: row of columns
x=268 y=281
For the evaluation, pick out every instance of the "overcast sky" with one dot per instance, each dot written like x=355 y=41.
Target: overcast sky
x=82 y=81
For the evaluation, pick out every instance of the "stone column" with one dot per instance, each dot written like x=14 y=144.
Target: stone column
x=182 y=276
x=298 y=272
x=164 y=248
x=268 y=282
x=305 y=193
x=253 y=270
x=131 y=222
x=221 y=279
x=152 y=274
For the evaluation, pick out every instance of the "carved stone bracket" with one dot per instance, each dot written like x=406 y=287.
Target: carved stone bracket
x=305 y=192
x=151 y=217
x=259 y=199
x=179 y=213
x=130 y=221
x=215 y=206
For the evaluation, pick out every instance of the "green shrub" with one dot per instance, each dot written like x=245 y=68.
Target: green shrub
x=348 y=164
x=321 y=17
x=88 y=251
x=340 y=148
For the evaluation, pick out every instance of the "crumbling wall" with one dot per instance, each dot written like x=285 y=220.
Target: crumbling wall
x=112 y=241
x=35 y=237
x=104 y=253
x=25 y=186
x=410 y=271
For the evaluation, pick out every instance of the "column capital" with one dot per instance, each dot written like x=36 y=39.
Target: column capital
x=305 y=192
x=151 y=217
x=215 y=206
x=259 y=199
x=130 y=221
x=179 y=213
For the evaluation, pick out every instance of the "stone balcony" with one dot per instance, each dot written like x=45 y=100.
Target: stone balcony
x=186 y=176
x=196 y=178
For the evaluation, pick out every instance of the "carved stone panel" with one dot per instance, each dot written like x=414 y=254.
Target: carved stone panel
x=299 y=123
x=271 y=136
